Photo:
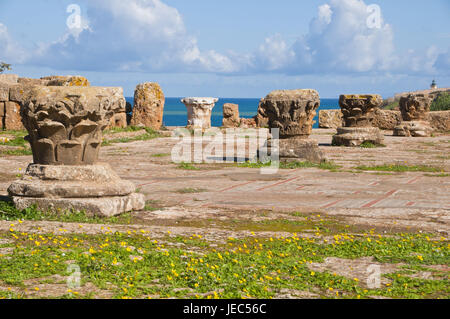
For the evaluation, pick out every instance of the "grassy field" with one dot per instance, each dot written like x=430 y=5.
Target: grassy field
x=135 y=263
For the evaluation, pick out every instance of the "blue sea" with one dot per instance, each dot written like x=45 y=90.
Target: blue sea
x=175 y=113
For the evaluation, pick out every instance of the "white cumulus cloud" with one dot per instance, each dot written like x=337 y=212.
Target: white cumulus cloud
x=135 y=35
x=10 y=52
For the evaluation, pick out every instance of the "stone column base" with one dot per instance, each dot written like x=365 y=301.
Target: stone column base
x=355 y=136
x=95 y=189
x=413 y=129
x=296 y=149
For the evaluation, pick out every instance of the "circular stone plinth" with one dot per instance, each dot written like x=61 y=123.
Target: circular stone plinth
x=355 y=136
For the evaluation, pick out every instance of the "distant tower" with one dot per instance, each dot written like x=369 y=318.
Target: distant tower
x=433 y=85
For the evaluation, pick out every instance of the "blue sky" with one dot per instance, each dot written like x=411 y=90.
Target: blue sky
x=233 y=48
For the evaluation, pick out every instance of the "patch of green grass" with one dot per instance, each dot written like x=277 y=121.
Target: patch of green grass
x=9 y=212
x=400 y=168
x=188 y=166
x=16 y=152
x=189 y=190
x=22 y=147
x=134 y=265
x=21 y=133
x=152 y=205
x=368 y=144
x=161 y=155
x=148 y=135
x=438 y=175
x=392 y=106
x=292 y=165
x=127 y=129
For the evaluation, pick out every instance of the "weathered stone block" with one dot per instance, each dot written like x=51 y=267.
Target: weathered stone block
x=331 y=119
x=248 y=123
x=9 y=78
x=12 y=118
x=148 y=107
x=413 y=129
x=297 y=149
x=386 y=119
x=440 y=120
x=231 y=115
x=4 y=93
x=103 y=206
x=118 y=120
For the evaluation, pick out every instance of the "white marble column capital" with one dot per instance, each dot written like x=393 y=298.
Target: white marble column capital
x=199 y=111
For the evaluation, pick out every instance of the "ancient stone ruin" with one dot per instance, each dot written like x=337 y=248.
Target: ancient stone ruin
x=231 y=115
x=293 y=112
x=358 y=116
x=199 y=111
x=65 y=127
x=415 y=109
x=148 y=107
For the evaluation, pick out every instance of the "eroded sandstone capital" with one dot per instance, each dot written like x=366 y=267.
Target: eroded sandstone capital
x=415 y=107
x=357 y=109
x=65 y=124
x=291 y=111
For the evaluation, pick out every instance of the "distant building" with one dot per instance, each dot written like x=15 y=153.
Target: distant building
x=433 y=85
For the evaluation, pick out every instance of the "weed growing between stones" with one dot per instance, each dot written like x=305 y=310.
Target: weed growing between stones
x=148 y=134
x=9 y=212
x=368 y=144
x=16 y=146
